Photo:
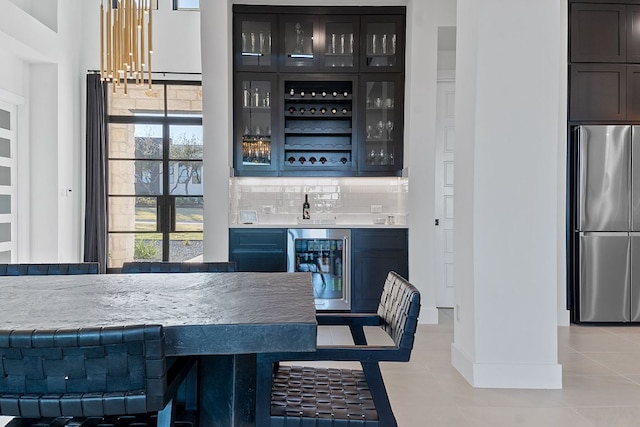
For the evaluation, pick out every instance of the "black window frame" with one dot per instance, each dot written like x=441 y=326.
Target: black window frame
x=166 y=208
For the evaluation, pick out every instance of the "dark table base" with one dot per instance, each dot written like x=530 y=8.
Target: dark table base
x=227 y=390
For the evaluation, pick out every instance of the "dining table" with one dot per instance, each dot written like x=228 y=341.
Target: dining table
x=223 y=319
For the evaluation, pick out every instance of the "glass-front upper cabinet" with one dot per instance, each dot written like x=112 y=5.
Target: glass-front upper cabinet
x=382 y=148
x=299 y=38
x=255 y=43
x=341 y=40
x=254 y=121
x=320 y=43
x=383 y=47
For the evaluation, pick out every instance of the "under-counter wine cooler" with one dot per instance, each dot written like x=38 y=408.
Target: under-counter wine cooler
x=324 y=253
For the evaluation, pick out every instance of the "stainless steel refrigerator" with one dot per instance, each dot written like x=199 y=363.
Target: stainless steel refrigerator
x=608 y=223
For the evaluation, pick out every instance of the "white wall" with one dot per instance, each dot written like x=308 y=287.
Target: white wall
x=507 y=190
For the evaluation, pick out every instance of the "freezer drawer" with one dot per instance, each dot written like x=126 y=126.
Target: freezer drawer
x=605 y=283
x=604 y=190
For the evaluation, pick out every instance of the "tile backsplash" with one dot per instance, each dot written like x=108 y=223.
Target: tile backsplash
x=279 y=200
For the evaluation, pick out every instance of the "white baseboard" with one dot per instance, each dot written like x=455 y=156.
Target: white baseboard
x=428 y=316
x=506 y=375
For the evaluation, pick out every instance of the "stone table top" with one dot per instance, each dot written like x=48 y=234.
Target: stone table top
x=202 y=313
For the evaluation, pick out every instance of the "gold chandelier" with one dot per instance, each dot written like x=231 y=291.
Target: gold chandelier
x=126 y=42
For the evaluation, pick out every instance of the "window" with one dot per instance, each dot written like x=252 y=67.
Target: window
x=155 y=171
x=186 y=4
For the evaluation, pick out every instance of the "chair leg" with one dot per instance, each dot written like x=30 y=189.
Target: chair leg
x=165 y=416
x=379 y=394
x=357 y=333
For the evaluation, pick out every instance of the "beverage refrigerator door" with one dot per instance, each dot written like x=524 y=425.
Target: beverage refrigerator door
x=325 y=254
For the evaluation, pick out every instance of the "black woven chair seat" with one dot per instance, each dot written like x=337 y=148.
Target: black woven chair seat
x=322 y=393
x=293 y=396
x=89 y=372
x=182 y=419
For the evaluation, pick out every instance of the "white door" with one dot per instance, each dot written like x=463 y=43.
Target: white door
x=445 y=140
x=8 y=185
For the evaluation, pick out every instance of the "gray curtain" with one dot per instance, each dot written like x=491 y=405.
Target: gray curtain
x=95 y=221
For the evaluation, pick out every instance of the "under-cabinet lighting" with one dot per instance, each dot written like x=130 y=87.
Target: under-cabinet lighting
x=301 y=55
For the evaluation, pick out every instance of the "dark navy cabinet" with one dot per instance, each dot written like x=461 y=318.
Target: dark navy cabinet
x=374 y=253
x=258 y=249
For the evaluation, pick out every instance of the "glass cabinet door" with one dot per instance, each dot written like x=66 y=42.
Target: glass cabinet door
x=341 y=41
x=253 y=124
x=383 y=43
x=383 y=125
x=299 y=38
x=254 y=43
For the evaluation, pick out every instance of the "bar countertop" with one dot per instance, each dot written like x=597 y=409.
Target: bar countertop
x=202 y=313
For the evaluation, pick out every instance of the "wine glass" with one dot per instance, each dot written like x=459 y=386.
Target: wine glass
x=380 y=129
x=389 y=128
x=372 y=157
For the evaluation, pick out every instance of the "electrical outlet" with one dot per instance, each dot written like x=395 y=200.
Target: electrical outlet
x=376 y=208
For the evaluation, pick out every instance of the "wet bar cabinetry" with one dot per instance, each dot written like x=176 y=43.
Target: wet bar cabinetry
x=374 y=252
x=318 y=91
x=258 y=249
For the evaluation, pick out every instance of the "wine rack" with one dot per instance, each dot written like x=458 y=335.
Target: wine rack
x=318 y=124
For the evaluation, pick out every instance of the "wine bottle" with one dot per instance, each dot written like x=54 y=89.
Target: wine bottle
x=312 y=110
x=292 y=110
x=334 y=110
x=323 y=110
x=344 y=110
x=306 y=207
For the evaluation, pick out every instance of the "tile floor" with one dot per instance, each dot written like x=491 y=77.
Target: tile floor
x=601 y=382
